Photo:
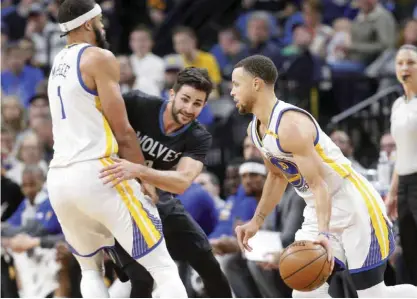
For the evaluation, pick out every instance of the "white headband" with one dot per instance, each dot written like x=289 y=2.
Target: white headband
x=77 y=22
x=252 y=167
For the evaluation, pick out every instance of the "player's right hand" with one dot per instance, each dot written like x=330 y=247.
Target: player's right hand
x=392 y=207
x=324 y=241
x=244 y=233
x=121 y=170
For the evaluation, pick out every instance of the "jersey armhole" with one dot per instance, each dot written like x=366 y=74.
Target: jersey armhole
x=298 y=110
x=80 y=78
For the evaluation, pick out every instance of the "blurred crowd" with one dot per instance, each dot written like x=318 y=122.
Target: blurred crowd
x=331 y=54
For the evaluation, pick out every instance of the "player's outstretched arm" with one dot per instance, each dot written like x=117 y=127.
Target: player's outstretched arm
x=174 y=181
x=297 y=133
x=272 y=192
x=103 y=68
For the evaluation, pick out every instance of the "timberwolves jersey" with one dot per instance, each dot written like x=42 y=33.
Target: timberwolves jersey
x=80 y=130
x=337 y=167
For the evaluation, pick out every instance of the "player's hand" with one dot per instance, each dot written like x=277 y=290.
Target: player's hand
x=325 y=242
x=244 y=233
x=392 y=207
x=121 y=170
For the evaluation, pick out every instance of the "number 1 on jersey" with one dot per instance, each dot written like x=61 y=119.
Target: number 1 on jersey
x=62 y=104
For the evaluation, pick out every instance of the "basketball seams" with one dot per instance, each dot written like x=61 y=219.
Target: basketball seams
x=283 y=257
x=318 y=275
x=306 y=265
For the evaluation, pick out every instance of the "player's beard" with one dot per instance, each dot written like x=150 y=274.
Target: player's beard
x=175 y=112
x=100 y=39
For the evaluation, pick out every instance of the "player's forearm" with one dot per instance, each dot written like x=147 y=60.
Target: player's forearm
x=129 y=148
x=394 y=184
x=323 y=205
x=272 y=192
x=170 y=181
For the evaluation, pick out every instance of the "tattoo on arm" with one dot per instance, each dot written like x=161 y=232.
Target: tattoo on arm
x=261 y=216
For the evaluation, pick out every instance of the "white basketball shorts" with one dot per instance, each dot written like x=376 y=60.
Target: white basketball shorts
x=362 y=234
x=93 y=214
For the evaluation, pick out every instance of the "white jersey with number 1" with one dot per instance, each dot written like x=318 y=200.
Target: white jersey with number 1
x=80 y=130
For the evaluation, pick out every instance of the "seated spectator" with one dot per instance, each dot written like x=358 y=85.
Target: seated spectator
x=42 y=126
x=250 y=151
x=253 y=175
x=45 y=35
x=342 y=140
x=312 y=14
x=13 y=114
x=229 y=50
x=173 y=64
x=302 y=39
x=210 y=182
x=259 y=38
x=373 y=31
x=8 y=139
x=130 y=81
x=340 y=40
x=185 y=43
x=201 y=206
x=143 y=61
x=29 y=152
x=19 y=79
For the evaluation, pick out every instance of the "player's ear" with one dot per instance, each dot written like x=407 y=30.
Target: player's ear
x=256 y=84
x=89 y=25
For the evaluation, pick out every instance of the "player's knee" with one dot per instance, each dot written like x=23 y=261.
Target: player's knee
x=320 y=292
x=93 y=263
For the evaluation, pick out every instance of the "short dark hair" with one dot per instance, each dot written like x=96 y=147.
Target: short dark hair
x=142 y=27
x=194 y=77
x=260 y=66
x=184 y=29
x=233 y=30
x=72 y=9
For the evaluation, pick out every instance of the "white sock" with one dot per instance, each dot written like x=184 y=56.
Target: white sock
x=381 y=290
x=321 y=292
x=92 y=285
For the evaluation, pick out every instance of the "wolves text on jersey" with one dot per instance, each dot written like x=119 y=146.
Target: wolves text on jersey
x=155 y=149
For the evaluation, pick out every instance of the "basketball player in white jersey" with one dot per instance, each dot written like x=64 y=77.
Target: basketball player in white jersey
x=90 y=126
x=344 y=213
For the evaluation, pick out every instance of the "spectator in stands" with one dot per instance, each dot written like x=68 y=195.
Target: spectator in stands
x=130 y=80
x=14 y=16
x=29 y=152
x=42 y=126
x=143 y=61
x=11 y=195
x=387 y=144
x=13 y=114
x=45 y=35
x=38 y=106
x=28 y=47
x=373 y=31
x=259 y=37
x=253 y=174
x=185 y=43
x=173 y=64
x=301 y=41
x=19 y=79
x=286 y=219
x=8 y=138
x=312 y=15
x=210 y=182
x=339 y=41
x=250 y=151
x=229 y=50
x=342 y=140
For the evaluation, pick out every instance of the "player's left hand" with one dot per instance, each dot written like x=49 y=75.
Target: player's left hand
x=324 y=241
x=121 y=170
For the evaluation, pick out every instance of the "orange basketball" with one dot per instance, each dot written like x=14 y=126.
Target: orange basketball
x=303 y=266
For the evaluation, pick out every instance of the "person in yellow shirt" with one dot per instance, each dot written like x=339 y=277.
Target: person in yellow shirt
x=185 y=44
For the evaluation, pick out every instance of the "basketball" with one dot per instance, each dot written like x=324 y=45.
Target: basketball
x=303 y=266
